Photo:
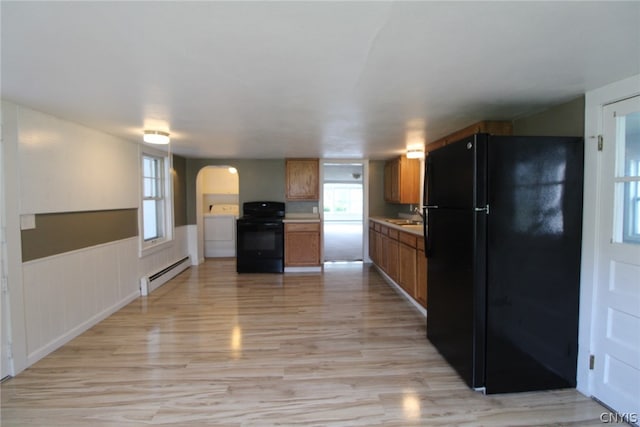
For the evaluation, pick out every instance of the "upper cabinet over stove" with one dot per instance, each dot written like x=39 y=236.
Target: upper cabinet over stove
x=303 y=179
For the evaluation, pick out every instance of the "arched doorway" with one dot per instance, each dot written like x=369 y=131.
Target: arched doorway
x=217 y=208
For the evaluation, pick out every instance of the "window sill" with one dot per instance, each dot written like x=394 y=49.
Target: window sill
x=149 y=248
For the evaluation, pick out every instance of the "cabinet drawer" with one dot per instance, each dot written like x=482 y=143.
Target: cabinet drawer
x=302 y=226
x=408 y=239
x=384 y=230
x=393 y=234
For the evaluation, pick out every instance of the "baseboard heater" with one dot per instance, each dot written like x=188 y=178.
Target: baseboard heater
x=153 y=281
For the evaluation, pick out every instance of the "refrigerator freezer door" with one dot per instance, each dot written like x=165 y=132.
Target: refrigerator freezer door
x=534 y=235
x=455 y=174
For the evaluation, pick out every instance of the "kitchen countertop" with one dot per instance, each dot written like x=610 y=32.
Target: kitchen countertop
x=413 y=229
x=302 y=217
x=207 y=215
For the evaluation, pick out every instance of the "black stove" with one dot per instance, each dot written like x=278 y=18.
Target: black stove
x=260 y=238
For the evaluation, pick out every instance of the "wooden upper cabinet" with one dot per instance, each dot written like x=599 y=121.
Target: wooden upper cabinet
x=303 y=179
x=487 y=126
x=402 y=181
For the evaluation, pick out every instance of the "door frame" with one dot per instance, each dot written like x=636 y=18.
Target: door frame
x=595 y=101
x=365 y=201
x=199 y=257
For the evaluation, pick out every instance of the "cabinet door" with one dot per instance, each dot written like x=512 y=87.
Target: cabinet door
x=372 y=245
x=302 y=179
x=393 y=259
x=380 y=250
x=409 y=181
x=302 y=249
x=302 y=244
x=421 y=280
x=408 y=269
x=402 y=181
x=392 y=181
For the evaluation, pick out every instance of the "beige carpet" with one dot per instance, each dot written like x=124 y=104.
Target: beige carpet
x=342 y=241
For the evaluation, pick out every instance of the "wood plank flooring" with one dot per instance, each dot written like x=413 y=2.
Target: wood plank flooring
x=215 y=348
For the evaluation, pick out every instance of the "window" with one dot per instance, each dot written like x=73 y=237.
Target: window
x=342 y=201
x=156 y=209
x=628 y=175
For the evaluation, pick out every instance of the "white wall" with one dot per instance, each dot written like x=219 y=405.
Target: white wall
x=218 y=180
x=65 y=167
x=57 y=166
x=594 y=102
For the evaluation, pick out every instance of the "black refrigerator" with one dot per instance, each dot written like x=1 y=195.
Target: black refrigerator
x=503 y=227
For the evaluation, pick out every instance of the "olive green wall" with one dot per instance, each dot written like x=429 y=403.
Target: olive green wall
x=61 y=232
x=68 y=231
x=377 y=205
x=179 y=191
x=260 y=179
x=561 y=120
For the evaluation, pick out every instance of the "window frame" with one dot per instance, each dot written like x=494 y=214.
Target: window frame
x=163 y=200
x=626 y=183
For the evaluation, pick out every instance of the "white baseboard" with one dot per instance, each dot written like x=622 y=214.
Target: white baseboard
x=401 y=291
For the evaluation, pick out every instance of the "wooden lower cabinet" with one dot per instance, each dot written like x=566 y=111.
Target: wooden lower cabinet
x=408 y=273
x=372 y=244
x=401 y=256
x=421 y=284
x=393 y=259
x=381 y=247
x=302 y=244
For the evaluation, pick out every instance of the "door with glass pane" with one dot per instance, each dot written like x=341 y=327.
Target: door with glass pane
x=616 y=324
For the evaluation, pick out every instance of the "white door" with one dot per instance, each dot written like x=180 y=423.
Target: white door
x=4 y=307
x=616 y=324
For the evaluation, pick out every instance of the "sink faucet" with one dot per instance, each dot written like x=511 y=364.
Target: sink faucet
x=417 y=210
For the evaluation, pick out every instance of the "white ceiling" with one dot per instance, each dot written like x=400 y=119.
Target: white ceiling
x=329 y=79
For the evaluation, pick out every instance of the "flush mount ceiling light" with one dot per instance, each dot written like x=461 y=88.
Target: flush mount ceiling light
x=156 y=137
x=415 y=153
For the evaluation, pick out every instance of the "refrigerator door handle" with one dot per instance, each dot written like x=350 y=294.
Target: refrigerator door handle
x=426 y=230
x=485 y=209
x=431 y=207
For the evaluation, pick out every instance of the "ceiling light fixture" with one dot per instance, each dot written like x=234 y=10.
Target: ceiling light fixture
x=233 y=170
x=415 y=153
x=156 y=137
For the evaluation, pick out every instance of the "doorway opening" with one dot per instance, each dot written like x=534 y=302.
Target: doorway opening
x=343 y=211
x=217 y=209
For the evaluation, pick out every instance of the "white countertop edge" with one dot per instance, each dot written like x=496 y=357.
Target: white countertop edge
x=209 y=215
x=302 y=217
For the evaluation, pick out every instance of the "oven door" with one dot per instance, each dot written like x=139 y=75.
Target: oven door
x=260 y=246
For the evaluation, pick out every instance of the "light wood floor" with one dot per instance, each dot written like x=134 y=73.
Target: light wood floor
x=215 y=348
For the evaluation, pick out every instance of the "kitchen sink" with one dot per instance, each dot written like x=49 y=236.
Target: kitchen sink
x=404 y=222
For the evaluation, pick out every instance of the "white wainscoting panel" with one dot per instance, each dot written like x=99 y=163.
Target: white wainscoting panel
x=66 y=294
x=173 y=252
